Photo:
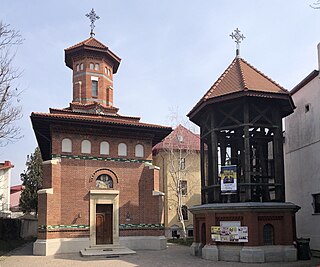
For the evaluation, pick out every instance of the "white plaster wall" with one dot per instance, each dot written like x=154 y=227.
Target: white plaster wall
x=5 y=176
x=302 y=159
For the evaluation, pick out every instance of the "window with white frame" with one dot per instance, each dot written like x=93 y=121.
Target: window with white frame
x=185 y=214
x=81 y=66
x=94 y=88
x=183 y=184
x=104 y=148
x=122 y=149
x=139 y=151
x=91 y=66
x=66 y=145
x=86 y=147
x=96 y=66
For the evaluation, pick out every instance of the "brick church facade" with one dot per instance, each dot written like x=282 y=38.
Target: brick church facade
x=100 y=188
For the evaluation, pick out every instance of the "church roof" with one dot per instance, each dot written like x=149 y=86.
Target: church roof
x=43 y=122
x=179 y=139
x=241 y=78
x=93 y=45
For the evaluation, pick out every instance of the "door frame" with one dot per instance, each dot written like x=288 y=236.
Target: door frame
x=104 y=196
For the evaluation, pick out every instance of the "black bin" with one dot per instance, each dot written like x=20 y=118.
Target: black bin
x=303 y=248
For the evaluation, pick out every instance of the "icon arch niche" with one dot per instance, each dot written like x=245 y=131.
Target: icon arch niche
x=104 y=184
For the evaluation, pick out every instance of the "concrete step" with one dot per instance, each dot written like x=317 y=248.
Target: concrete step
x=107 y=251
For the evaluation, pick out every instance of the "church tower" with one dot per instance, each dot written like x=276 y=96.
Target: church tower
x=93 y=65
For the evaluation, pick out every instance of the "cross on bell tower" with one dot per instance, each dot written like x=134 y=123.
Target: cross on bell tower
x=238 y=38
x=93 y=17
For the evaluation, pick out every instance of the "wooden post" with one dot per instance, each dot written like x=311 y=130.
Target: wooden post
x=214 y=159
x=247 y=162
x=202 y=164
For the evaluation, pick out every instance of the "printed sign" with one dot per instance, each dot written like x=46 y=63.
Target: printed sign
x=229 y=234
x=228 y=179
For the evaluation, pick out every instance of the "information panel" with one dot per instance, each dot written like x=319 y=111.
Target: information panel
x=229 y=234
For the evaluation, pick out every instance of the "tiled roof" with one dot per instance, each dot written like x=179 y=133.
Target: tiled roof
x=92 y=42
x=96 y=118
x=239 y=77
x=179 y=138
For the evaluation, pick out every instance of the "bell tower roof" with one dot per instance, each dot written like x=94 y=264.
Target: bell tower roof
x=91 y=46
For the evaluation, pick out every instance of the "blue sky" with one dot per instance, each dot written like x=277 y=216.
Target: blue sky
x=171 y=51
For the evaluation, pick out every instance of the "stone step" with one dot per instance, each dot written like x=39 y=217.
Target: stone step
x=107 y=251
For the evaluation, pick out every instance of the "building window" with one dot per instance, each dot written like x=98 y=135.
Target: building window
x=174 y=234
x=190 y=233
x=268 y=235
x=122 y=149
x=180 y=138
x=182 y=164
x=109 y=72
x=81 y=66
x=94 y=88
x=78 y=67
x=104 y=181
x=86 y=147
x=307 y=108
x=185 y=214
x=66 y=145
x=91 y=66
x=104 y=148
x=139 y=151
x=316 y=203
x=96 y=66
x=183 y=187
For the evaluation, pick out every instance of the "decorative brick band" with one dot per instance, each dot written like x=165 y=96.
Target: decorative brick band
x=141 y=226
x=57 y=156
x=50 y=228
x=62 y=226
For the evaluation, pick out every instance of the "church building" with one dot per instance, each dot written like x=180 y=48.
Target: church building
x=100 y=189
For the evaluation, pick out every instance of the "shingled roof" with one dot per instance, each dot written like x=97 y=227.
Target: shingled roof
x=241 y=78
x=179 y=138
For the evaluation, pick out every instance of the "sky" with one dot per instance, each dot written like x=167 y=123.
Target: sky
x=172 y=51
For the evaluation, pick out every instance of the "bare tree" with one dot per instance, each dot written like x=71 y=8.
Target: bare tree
x=180 y=149
x=316 y=5
x=10 y=110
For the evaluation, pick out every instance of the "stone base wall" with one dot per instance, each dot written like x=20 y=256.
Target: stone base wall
x=255 y=254
x=144 y=242
x=46 y=247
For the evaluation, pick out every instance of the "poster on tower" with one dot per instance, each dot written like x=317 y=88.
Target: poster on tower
x=228 y=179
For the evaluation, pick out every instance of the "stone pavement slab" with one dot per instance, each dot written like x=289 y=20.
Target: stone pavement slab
x=173 y=256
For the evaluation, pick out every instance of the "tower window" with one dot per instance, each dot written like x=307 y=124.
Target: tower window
x=139 y=150
x=78 y=67
x=109 y=72
x=91 y=66
x=81 y=66
x=95 y=88
x=66 y=145
x=96 y=66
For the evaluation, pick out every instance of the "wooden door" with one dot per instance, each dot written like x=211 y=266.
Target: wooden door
x=104 y=224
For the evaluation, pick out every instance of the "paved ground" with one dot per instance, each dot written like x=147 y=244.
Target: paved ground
x=174 y=256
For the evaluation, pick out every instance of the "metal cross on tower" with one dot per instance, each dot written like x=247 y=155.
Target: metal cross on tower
x=238 y=38
x=93 y=17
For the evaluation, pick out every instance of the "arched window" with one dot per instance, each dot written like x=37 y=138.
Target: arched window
x=268 y=234
x=104 y=148
x=78 y=67
x=81 y=66
x=104 y=181
x=66 y=145
x=109 y=72
x=91 y=66
x=122 y=149
x=96 y=66
x=139 y=151
x=86 y=147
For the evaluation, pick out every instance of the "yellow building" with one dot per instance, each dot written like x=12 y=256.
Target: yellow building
x=178 y=157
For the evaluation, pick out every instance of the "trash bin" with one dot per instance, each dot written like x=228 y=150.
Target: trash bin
x=303 y=248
